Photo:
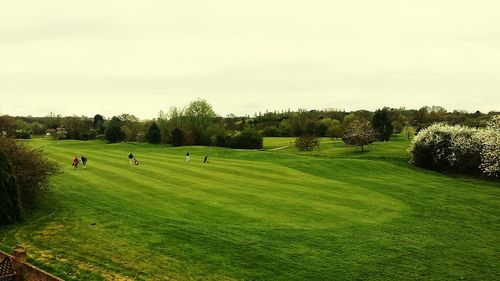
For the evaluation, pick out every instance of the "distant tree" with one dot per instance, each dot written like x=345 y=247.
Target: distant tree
x=408 y=131
x=37 y=128
x=271 y=131
x=306 y=142
x=199 y=115
x=176 y=117
x=437 y=113
x=297 y=122
x=164 y=125
x=23 y=130
x=219 y=138
x=131 y=126
x=53 y=121
x=359 y=133
x=398 y=126
x=335 y=130
x=76 y=126
x=382 y=124
x=8 y=126
x=11 y=209
x=348 y=119
x=114 y=131
x=396 y=115
x=98 y=123
x=60 y=134
x=177 y=137
x=422 y=117
x=323 y=126
x=153 y=135
x=247 y=139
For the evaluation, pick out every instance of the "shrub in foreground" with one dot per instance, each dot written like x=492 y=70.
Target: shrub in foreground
x=32 y=170
x=447 y=148
x=457 y=149
x=10 y=202
x=490 y=155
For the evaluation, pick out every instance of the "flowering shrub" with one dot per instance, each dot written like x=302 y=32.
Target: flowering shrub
x=490 y=154
x=458 y=149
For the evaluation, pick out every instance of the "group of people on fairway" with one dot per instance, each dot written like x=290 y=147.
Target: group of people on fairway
x=131 y=158
x=77 y=161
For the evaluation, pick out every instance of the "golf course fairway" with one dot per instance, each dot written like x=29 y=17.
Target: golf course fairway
x=276 y=214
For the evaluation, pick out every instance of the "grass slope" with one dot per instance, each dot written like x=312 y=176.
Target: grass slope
x=260 y=215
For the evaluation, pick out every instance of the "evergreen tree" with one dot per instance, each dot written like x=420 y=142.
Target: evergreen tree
x=382 y=124
x=177 y=137
x=114 y=131
x=153 y=135
x=98 y=123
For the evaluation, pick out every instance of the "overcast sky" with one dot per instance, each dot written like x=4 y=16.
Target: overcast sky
x=138 y=57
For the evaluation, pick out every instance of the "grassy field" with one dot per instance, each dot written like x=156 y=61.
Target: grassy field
x=332 y=214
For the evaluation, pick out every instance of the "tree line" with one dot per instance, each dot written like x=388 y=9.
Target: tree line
x=198 y=124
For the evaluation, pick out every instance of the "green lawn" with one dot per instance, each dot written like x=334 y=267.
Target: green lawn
x=332 y=214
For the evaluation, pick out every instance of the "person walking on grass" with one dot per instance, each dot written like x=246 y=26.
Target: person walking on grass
x=84 y=162
x=131 y=158
x=205 y=160
x=188 y=159
x=75 y=163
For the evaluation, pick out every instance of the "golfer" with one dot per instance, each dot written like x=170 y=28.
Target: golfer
x=84 y=162
x=75 y=163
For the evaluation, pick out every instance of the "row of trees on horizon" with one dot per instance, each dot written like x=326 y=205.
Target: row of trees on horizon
x=198 y=124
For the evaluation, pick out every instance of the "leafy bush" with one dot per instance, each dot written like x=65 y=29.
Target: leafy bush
x=11 y=209
x=271 y=132
x=247 y=139
x=31 y=168
x=23 y=134
x=306 y=142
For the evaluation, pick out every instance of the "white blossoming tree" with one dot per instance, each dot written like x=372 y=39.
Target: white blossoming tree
x=490 y=154
x=459 y=149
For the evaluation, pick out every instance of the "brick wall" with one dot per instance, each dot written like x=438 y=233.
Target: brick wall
x=26 y=271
